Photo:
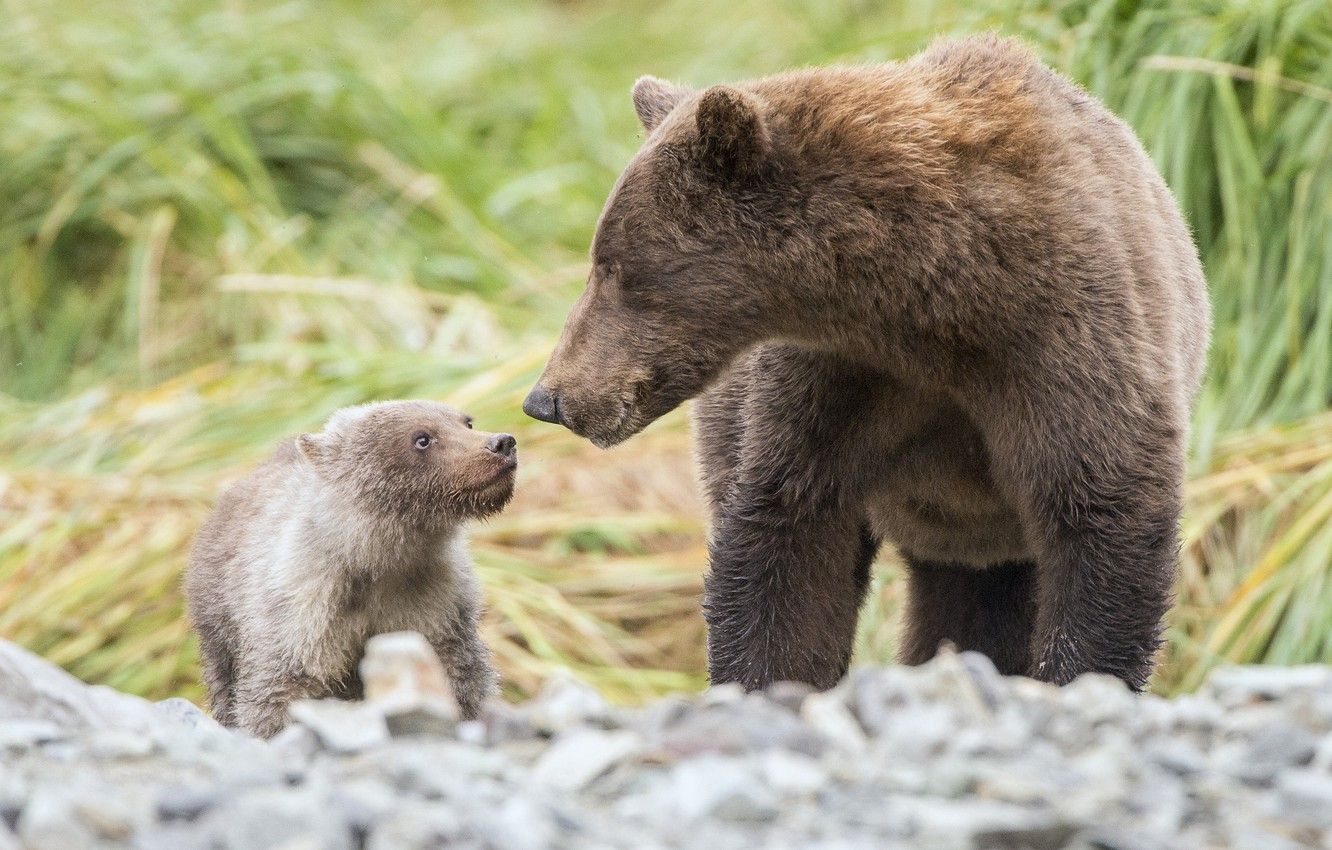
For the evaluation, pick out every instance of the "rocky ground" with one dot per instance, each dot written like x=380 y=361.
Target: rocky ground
x=950 y=755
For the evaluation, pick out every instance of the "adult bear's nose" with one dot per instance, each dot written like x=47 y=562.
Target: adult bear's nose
x=542 y=404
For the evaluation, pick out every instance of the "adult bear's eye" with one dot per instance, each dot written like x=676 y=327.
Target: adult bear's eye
x=422 y=441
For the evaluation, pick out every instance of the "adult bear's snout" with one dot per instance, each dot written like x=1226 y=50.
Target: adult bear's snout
x=542 y=404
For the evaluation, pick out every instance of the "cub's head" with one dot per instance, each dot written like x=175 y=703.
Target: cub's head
x=420 y=461
x=680 y=281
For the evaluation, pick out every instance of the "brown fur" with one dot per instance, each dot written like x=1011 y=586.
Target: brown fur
x=351 y=532
x=947 y=303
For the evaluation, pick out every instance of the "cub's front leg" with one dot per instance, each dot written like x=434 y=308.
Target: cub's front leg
x=264 y=691
x=466 y=658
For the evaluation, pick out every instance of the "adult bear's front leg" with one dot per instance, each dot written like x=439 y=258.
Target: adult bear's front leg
x=1095 y=465
x=790 y=552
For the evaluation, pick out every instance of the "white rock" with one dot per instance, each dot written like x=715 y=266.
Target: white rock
x=1232 y=686
x=120 y=744
x=403 y=677
x=343 y=727
x=828 y=713
x=722 y=787
x=792 y=773
x=19 y=734
x=34 y=689
x=1306 y=797
x=581 y=755
x=564 y=702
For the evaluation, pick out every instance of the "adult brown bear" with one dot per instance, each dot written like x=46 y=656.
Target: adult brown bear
x=948 y=303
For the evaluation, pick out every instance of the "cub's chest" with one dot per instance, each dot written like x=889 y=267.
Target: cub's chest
x=326 y=626
x=415 y=598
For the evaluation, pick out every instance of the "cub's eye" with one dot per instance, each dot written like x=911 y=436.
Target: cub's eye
x=422 y=441
x=468 y=423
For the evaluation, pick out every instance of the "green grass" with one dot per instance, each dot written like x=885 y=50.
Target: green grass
x=219 y=222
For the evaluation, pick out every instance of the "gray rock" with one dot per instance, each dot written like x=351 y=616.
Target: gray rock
x=564 y=702
x=519 y=824
x=1272 y=749
x=1176 y=755
x=828 y=713
x=984 y=823
x=503 y=723
x=877 y=694
x=120 y=744
x=752 y=723
x=23 y=734
x=277 y=818
x=76 y=814
x=185 y=714
x=295 y=744
x=420 y=826
x=342 y=727
x=581 y=755
x=48 y=822
x=792 y=773
x=789 y=695
x=33 y=689
x=1233 y=686
x=918 y=732
x=722 y=787
x=1306 y=798
x=1099 y=699
x=362 y=804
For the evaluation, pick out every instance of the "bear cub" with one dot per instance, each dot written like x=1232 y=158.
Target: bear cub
x=343 y=534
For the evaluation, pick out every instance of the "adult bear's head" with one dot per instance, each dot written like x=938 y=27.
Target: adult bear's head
x=683 y=263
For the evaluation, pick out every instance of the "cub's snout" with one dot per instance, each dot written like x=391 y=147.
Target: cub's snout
x=505 y=446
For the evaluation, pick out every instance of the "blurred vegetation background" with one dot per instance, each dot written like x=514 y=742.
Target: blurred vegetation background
x=221 y=221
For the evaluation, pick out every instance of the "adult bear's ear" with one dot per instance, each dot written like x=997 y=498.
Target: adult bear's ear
x=654 y=99
x=732 y=136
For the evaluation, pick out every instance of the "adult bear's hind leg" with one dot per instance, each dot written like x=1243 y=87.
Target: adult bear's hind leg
x=988 y=610
x=1094 y=462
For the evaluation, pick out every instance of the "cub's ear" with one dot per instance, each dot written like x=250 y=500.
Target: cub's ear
x=732 y=136
x=316 y=448
x=654 y=99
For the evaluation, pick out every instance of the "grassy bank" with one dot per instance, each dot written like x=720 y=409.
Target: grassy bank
x=219 y=224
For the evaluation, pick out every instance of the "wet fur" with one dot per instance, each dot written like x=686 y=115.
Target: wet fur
x=947 y=303
x=340 y=536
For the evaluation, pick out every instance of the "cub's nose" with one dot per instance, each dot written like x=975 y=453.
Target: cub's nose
x=503 y=445
x=542 y=404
